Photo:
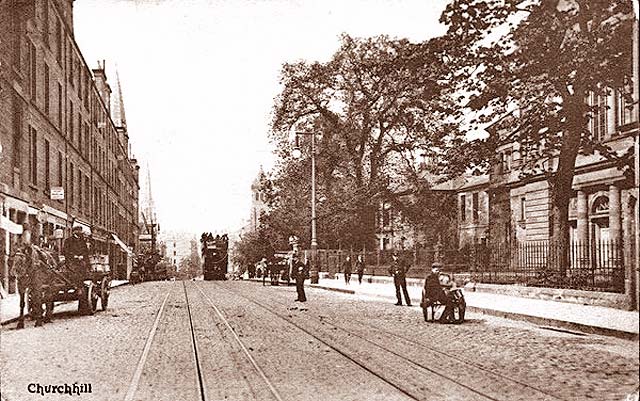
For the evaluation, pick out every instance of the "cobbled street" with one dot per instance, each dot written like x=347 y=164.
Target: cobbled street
x=235 y=340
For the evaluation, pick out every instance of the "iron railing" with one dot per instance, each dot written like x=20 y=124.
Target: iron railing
x=592 y=266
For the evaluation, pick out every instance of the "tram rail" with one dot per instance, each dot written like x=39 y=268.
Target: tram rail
x=472 y=368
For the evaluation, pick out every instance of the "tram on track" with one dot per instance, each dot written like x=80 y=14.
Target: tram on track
x=215 y=256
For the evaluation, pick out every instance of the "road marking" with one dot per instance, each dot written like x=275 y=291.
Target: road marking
x=133 y=386
x=246 y=352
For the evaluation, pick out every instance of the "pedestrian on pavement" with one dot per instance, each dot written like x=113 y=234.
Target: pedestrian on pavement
x=360 y=268
x=346 y=267
x=435 y=293
x=299 y=269
x=262 y=265
x=274 y=271
x=398 y=270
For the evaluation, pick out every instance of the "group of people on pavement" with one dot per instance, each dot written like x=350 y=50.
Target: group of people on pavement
x=398 y=269
x=272 y=269
x=347 y=269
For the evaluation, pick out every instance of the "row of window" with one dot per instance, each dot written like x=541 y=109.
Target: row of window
x=79 y=184
x=77 y=75
x=475 y=208
x=81 y=136
x=607 y=107
x=80 y=133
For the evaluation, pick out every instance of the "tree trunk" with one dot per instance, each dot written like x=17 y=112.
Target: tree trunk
x=561 y=186
x=366 y=227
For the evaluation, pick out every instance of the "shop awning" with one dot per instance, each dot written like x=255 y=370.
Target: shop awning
x=122 y=244
x=85 y=227
x=55 y=216
x=10 y=226
x=13 y=203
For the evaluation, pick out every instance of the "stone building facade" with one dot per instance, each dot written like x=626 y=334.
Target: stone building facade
x=64 y=144
x=603 y=211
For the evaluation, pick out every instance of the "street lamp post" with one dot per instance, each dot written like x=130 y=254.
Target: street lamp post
x=313 y=271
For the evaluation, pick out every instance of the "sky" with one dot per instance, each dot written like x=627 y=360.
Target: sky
x=199 y=77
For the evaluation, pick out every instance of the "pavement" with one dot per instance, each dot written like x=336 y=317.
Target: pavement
x=10 y=306
x=563 y=315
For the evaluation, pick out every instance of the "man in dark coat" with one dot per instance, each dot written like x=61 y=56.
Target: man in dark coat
x=299 y=270
x=346 y=265
x=435 y=293
x=398 y=270
x=360 y=268
x=76 y=255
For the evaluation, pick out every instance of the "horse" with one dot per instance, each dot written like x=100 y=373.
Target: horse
x=30 y=266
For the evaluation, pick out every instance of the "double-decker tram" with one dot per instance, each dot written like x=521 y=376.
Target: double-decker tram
x=215 y=256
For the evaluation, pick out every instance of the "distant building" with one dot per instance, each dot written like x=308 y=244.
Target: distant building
x=64 y=144
x=178 y=245
x=258 y=200
x=472 y=199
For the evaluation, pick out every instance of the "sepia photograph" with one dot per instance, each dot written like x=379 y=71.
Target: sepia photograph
x=319 y=200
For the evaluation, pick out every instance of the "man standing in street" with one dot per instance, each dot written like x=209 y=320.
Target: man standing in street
x=299 y=270
x=398 y=270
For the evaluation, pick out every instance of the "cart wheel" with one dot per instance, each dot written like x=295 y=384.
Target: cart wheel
x=104 y=294
x=91 y=299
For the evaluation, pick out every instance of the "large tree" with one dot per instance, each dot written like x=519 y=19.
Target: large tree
x=548 y=58
x=288 y=199
x=376 y=104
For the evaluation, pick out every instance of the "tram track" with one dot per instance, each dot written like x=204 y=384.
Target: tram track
x=201 y=385
x=474 y=371
x=135 y=381
x=428 y=374
x=411 y=393
x=197 y=325
x=272 y=389
x=456 y=358
x=170 y=312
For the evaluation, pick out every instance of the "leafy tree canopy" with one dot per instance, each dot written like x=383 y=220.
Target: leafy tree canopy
x=378 y=106
x=547 y=59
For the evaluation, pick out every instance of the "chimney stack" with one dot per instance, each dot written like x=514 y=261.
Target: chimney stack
x=100 y=77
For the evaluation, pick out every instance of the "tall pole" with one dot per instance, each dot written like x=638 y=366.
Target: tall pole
x=313 y=273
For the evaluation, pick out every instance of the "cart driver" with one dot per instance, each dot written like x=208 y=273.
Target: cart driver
x=76 y=254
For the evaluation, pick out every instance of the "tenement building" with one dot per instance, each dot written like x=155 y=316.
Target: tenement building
x=64 y=146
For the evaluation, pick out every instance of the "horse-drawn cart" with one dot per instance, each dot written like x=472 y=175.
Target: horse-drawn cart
x=96 y=285
x=48 y=279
